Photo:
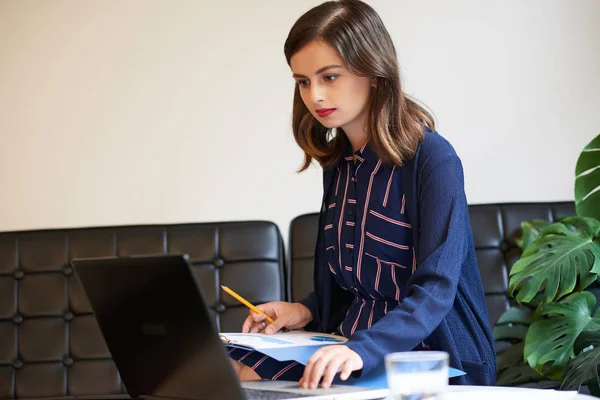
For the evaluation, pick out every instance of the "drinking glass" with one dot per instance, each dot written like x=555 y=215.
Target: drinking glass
x=417 y=375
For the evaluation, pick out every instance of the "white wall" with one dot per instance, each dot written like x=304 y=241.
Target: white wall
x=148 y=111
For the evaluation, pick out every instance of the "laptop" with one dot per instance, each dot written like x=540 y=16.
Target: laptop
x=156 y=323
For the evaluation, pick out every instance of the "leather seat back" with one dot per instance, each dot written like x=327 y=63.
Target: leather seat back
x=50 y=343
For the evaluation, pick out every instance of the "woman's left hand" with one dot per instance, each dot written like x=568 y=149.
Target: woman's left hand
x=326 y=362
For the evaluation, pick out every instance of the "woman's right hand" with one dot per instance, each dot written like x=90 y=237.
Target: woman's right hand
x=285 y=315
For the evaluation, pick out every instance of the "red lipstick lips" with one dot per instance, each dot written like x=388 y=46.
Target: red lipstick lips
x=325 y=112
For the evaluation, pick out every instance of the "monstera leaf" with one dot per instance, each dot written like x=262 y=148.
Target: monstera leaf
x=516 y=315
x=510 y=364
x=584 y=369
x=587 y=181
x=514 y=370
x=531 y=231
x=550 y=340
x=513 y=323
x=565 y=253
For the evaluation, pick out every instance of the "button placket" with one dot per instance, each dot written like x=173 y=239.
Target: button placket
x=351 y=216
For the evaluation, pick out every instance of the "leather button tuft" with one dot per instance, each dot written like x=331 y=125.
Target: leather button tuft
x=18 y=274
x=68 y=361
x=220 y=308
x=504 y=246
x=219 y=263
x=68 y=271
x=68 y=317
x=17 y=319
x=17 y=364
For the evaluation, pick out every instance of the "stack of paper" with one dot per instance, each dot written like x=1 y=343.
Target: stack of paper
x=300 y=346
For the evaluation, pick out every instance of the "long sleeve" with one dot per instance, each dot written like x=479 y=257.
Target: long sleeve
x=310 y=302
x=430 y=291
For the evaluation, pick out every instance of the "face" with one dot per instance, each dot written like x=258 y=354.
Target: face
x=335 y=96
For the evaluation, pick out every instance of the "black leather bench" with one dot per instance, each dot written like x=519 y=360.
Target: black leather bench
x=50 y=344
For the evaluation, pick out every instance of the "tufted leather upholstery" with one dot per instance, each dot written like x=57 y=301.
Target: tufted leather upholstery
x=495 y=228
x=50 y=344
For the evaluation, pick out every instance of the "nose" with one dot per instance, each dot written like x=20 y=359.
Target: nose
x=317 y=93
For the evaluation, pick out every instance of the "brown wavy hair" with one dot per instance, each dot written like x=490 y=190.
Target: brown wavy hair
x=395 y=123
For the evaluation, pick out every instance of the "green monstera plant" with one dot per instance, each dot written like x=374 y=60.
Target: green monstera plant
x=554 y=328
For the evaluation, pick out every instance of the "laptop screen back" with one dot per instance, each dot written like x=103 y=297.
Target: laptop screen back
x=157 y=326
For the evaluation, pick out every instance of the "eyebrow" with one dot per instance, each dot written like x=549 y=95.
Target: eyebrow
x=318 y=71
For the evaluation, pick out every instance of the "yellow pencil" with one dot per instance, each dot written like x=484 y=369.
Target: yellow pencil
x=246 y=302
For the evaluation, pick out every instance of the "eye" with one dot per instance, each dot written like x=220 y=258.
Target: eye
x=330 y=78
x=302 y=83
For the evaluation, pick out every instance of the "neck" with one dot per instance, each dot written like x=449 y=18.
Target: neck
x=356 y=134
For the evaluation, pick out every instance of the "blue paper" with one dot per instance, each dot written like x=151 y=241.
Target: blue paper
x=298 y=353
x=376 y=379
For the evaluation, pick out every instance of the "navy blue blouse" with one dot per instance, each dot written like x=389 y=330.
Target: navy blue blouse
x=412 y=222
x=395 y=265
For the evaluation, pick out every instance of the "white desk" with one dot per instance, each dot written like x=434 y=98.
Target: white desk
x=510 y=393
x=454 y=392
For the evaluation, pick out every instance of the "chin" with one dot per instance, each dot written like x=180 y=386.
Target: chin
x=329 y=125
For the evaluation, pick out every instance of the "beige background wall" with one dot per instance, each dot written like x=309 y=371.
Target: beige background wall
x=131 y=112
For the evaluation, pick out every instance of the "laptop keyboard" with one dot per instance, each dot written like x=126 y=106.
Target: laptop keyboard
x=258 y=394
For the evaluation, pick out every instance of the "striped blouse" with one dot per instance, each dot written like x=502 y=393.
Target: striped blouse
x=368 y=237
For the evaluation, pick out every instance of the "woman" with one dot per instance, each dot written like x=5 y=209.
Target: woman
x=395 y=267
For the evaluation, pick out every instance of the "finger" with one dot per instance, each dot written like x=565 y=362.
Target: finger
x=332 y=369
x=262 y=326
x=308 y=368
x=276 y=325
x=247 y=324
x=346 y=370
x=256 y=328
x=257 y=317
x=319 y=368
